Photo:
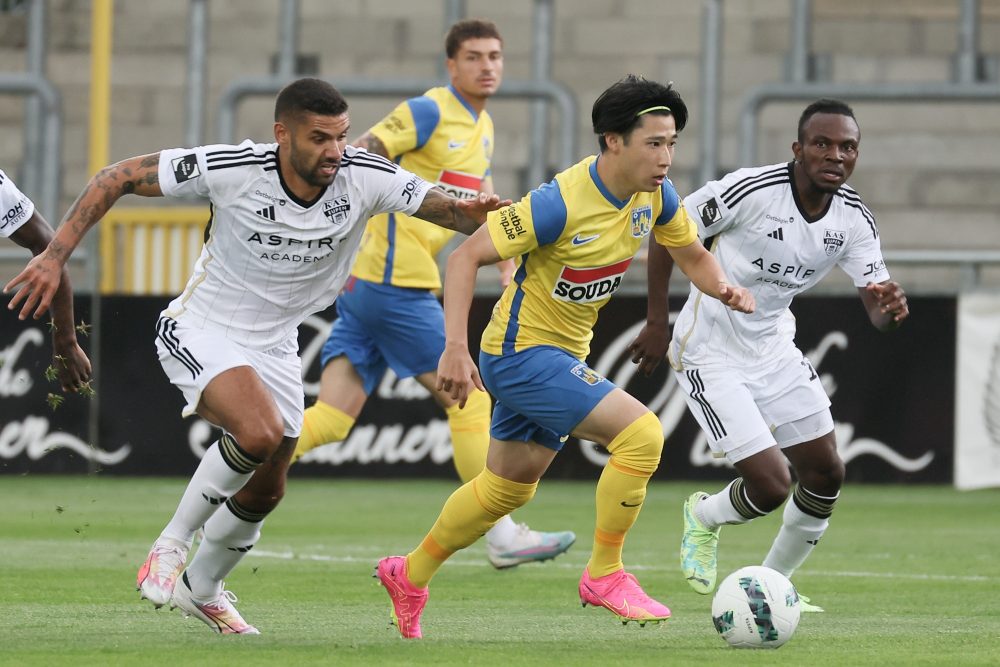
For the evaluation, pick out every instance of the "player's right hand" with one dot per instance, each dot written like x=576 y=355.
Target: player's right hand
x=738 y=298
x=36 y=285
x=649 y=348
x=457 y=374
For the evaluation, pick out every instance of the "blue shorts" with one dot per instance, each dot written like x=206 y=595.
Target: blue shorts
x=383 y=326
x=541 y=394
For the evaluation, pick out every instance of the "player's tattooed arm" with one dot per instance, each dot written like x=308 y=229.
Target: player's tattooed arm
x=38 y=282
x=137 y=175
x=460 y=215
x=372 y=144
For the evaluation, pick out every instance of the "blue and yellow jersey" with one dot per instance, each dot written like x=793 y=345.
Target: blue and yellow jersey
x=440 y=138
x=574 y=240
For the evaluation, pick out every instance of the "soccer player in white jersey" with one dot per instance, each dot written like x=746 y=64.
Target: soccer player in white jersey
x=287 y=218
x=21 y=222
x=777 y=230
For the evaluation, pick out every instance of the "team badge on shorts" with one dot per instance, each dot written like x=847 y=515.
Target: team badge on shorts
x=642 y=221
x=587 y=374
x=833 y=240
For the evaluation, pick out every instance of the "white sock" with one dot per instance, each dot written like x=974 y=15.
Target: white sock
x=502 y=533
x=212 y=484
x=718 y=509
x=228 y=538
x=798 y=535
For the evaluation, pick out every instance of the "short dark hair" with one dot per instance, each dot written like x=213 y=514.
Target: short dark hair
x=309 y=95
x=620 y=108
x=469 y=29
x=824 y=105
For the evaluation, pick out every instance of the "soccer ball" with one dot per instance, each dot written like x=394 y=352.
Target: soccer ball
x=756 y=607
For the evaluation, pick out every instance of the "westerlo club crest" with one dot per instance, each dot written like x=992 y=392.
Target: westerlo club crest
x=833 y=240
x=642 y=221
x=587 y=374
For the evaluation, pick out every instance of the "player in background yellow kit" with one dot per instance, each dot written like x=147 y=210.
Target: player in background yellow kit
x=574 y=237
x=388 y=314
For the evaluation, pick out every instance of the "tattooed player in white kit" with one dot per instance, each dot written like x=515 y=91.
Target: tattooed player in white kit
x=777 y=230
x=286 y=221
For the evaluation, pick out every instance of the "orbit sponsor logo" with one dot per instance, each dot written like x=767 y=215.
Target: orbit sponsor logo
x=459 y=185
x=589 y=285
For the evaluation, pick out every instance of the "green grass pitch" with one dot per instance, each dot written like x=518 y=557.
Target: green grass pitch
x=908 y=576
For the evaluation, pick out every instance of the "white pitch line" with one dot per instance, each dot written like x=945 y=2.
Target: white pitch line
x=569 y=564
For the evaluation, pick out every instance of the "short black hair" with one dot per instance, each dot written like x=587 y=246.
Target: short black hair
x=309 y=95
x=469 y=29
x=824 y=105
x=619 y=108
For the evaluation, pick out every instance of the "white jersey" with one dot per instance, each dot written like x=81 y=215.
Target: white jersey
x=271 y=259
x=765 y=242
x=15 y=207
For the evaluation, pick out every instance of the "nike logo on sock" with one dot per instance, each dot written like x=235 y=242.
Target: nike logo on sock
x=625 y=504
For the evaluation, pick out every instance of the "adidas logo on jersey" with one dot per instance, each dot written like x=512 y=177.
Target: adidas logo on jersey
x=267 y=213
x=777 y=234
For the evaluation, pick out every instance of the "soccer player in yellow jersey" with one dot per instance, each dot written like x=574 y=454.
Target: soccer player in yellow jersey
x=574 y=238
x=388 y=315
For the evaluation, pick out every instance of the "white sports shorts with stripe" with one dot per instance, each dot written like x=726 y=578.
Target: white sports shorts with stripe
x=744 y=411
x=193 y=357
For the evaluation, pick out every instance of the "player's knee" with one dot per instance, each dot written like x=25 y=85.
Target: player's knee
x=500 y=496
x=826 y=477
x=261 y=436
x=639 y=446
x=769 y=490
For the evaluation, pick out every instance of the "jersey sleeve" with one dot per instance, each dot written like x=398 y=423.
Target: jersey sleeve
x=409 y=126
x=394 y=190
x=15 y=207
x=717 y=205
x=673 y=227
x=862 y=259
x=536 y=220
x=186 y=172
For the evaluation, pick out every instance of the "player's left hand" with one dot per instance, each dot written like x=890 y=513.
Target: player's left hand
x=649 y=348
x=479 y=206
x=71 y=364
x=738 y=298
x=890 y=299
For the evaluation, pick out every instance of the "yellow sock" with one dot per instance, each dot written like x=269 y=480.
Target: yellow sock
x=621 y=490
x=466 y=516
x=470 y=434
x=322 y=423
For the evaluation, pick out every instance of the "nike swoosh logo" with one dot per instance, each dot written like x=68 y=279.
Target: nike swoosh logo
x=578 y=240
x=625 y=504
x=455 y=144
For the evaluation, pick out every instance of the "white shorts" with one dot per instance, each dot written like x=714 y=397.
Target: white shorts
x=742 y=410
x=193 y=357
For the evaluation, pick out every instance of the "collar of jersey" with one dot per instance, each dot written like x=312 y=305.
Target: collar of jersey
x=465 y=102
x=603 y=189
x=291 y=195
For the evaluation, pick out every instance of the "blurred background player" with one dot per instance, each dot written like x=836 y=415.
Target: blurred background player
x=388 y=315
x=575 y=237
x=287 y=219
x=26 y=227
x=778 y=230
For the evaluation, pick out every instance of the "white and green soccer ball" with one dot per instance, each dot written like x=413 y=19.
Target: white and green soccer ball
x=756 y=607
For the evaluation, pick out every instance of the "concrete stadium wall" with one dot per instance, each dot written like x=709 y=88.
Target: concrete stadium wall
x=921 y=165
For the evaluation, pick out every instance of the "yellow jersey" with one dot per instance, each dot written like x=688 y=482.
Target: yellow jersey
x=574 y=241
x=439 y=137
